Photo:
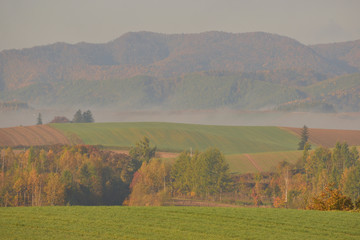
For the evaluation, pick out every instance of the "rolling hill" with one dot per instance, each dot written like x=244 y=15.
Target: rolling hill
x=340 y=94
x=208 y=70
x=31 y=136
x=247 y=149
x=344 y=53
x=179 y=137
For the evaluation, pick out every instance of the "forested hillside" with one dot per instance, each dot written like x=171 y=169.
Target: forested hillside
x=345 y=53
x=206 y=90
x=186 y=71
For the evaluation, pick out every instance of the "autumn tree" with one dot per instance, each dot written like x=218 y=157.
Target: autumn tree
x=148 y=187
x=350 y=182
x=302 y=161
x=283 y=176
x=257 y=191
x=213 y=172
x=331 y=199
x=181 y=174
x=204 y=174
x=342 y=158
x=54 y=190
x=315 y=163
x=60 y=119
x=57 y=175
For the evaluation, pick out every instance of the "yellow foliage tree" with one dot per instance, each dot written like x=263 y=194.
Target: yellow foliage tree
x=149 y=184
x=54 y=190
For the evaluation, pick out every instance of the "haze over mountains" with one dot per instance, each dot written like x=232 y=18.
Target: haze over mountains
x=186 y=71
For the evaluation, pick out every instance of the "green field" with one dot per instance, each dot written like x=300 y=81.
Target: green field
x=179 y=137
x=239 y=163
x=175 y=223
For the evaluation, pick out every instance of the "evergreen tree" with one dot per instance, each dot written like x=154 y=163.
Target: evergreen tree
x=142 y=151
x=304 y=138
x=39 y=120
x=87 y=117
x=78 y=117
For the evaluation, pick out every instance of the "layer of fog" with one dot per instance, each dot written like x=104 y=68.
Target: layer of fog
x=212 y=117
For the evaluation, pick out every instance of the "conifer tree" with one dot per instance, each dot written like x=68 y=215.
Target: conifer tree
x=142 y=152
x=304 y=138
x=87 y=117
x=78 y=117
x=39 y=120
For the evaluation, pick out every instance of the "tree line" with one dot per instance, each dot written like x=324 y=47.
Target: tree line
x=79 y=117
x=322 y=179
x=203 y=175
x=61 y=175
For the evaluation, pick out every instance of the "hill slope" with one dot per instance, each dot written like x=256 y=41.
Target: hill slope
x=160 y=55
x=192 y=91
x=179 y=137
x=329 y=137
x=181 y=71
x=31 y=136
x=345 y=53
x=336 y=94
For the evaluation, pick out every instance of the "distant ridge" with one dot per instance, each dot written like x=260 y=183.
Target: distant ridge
x=198 y=71
x=162 y=55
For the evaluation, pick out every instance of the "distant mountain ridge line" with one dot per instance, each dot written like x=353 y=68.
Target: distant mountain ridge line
x=161 y=55
x=208 y=70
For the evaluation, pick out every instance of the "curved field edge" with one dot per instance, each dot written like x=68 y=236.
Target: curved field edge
x=175 y=223
x=176 y=137
x=328 y=137
x=31 y=136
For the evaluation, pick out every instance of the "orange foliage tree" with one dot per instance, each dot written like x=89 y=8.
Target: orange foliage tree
x=331 y=199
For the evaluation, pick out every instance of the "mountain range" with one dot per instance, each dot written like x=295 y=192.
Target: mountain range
x=181 y=71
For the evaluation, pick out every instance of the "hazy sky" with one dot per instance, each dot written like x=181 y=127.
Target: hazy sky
x=28 y=23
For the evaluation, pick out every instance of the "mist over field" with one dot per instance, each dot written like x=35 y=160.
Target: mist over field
x=214 y=119
x=349 y=121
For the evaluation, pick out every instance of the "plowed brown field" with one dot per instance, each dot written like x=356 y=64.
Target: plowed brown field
x=31 y=136
x=329 y=137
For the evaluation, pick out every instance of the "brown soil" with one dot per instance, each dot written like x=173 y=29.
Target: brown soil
x=31 y=136
x=329 y=137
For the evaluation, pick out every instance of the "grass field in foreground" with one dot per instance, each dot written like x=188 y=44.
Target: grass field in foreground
x=175 y=223
x=178 y=137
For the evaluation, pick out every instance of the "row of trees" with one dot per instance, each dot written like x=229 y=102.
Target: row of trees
x=85 y=117
x=79 y=117
x=318 y=173
x=58 y=175
x=204 y=175
x=322 y=179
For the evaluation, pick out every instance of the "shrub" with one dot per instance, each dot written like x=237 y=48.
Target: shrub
x=331 y=199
